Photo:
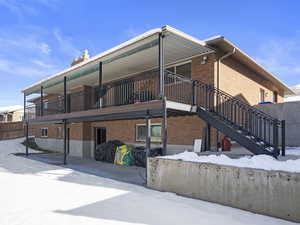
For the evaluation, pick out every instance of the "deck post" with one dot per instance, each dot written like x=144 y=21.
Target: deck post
x=26 y=131
x=208 y=136
x=100 y=84
x=165 y=127
x=161 y=65
x=26 y=125
x=148 y=138
x=65 y=142
x=275 y=135
x=283 y=137
x=65 y=95
x=42 y=102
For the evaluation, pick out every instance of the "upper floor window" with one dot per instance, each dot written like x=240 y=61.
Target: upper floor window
x=262 y=95
x=275 y=97
x=182 y=69
x=45 y=104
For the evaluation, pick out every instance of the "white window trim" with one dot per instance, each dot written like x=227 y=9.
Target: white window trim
x=143 y=124
x=44 y=128
x=175 y=65
x=45 y=102
x=178 y=64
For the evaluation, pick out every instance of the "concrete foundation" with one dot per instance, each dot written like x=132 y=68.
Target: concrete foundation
x=78 y=148
x=85 y=149
x=272 y=193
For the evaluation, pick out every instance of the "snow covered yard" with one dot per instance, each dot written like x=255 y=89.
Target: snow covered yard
x=36 y=193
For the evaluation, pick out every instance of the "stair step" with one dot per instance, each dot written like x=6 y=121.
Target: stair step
x=236 y=132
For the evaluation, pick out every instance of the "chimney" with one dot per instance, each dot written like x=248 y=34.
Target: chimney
x=85 y=56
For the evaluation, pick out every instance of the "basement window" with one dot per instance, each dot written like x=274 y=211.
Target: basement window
x=44 y=132
x=141 y=132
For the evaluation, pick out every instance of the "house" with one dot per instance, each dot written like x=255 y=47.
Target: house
x=165 y=86
x=11 y=113
x=295 y=97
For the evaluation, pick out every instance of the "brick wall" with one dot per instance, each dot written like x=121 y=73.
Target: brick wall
x=204 y=72
x=182 y=130
x=240 y=81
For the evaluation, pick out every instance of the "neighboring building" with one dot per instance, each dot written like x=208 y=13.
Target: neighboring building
x=295 y=97
x=11 y=113
x=169 y=75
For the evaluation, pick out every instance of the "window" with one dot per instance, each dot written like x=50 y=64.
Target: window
x=262 y=95
x=60 y=104
x=59 y=132
x=45 y=104
x=182 y=69
x=44 y=132
x=275 y=97
x=141 y=132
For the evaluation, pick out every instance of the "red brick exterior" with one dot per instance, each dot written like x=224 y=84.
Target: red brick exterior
x=235 y=79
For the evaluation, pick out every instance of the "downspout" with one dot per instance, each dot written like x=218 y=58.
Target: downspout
x=219 y=60
x=218 y=86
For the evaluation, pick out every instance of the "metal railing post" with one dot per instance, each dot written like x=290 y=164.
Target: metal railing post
x=283 y=137
x=194 y=93
x=275 y=134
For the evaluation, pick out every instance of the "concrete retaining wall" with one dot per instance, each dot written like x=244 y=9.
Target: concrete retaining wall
x=272 y=193
x=290 y=112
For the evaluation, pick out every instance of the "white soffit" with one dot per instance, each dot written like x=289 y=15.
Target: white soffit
x=140 y=55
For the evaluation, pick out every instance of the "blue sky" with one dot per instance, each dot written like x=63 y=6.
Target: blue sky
x=41 y=37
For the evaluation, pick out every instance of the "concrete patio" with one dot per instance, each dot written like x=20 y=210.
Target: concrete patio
x=128 y=174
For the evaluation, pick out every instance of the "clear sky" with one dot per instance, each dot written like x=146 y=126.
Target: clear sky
x=41 y=37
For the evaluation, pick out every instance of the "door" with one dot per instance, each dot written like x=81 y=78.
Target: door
x=100 y=136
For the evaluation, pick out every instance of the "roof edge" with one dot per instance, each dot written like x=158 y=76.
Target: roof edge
x=218 y=38
x=98 y=56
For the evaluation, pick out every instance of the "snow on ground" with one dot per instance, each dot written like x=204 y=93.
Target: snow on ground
x=35 y=193
x=258 y=161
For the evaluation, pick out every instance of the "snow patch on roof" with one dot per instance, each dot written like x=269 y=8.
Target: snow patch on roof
x=12 y=108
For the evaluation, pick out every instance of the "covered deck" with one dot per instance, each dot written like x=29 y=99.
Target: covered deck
x=128 y=81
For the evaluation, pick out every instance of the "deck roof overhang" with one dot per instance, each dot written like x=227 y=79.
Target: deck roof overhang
x=226 y=45
x=132 y=57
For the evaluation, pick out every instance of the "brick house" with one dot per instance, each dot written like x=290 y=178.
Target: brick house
x=11 y=113
x=190 y=89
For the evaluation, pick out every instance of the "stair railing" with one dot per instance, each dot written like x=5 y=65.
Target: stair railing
x=256 y=124
x=241 y=115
